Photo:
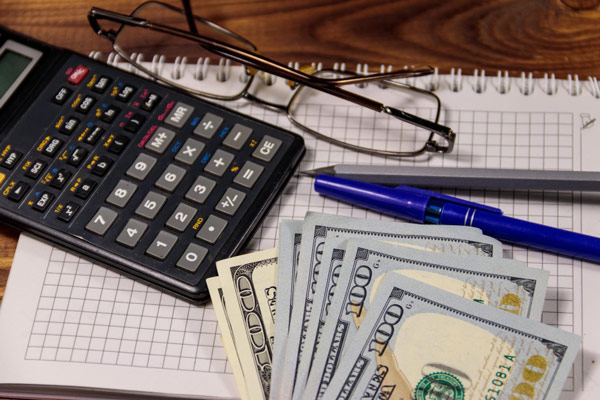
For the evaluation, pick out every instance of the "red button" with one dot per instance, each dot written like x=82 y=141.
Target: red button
x=77 y=76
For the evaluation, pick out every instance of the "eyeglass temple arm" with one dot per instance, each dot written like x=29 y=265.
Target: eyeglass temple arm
x=246 y=57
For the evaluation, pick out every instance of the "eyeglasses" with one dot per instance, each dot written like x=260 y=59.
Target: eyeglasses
x=352 y=121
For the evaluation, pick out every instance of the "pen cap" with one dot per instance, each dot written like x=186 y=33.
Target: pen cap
x=409 y=206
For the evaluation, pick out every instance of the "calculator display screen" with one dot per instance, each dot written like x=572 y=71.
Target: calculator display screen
x=12 y=64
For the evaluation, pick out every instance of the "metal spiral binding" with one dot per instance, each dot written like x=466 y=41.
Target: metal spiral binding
x=478 y=82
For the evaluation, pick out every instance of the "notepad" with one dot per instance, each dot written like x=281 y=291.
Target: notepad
x=513 y=123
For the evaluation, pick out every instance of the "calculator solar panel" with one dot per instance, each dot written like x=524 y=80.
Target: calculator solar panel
x=145 y=179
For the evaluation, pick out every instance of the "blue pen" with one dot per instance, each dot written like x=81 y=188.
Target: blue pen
x=424 y=206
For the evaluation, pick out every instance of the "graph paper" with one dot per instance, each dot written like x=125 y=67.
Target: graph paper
x=88 y=315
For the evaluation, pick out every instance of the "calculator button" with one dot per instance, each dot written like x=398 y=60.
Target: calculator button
x=101 y=221
x=122 y=193
x=93 y=134
x=141 y=167
x=43 y=202
x=101 y=84
x=134 y=123
x=189 y=152
x=18 y=191
x=101 y=166
x=170 y=178
x=237 y=136
x=230 y=202
x=52 y=147
x=200 y=190
x=212 y=229
x=36 y=168
x=192 y=257
x=181 y=217
x=85 y=189
x=11 y=159
x=150 y=102
x=62 y=96
x=78 y=74
x=179 y=115
x=118 y=144
x=60 y=178
x=208 y=126
x=162 y=245
x=219 y=162
x=132 y=233
x=86 y=104
x=151 y=205
x=109 y=114
x=69 y=125
x=68 y=211
x=267 y=148
x=160 y=140
x=76 y=156
x=248 y=175
x=125 y=93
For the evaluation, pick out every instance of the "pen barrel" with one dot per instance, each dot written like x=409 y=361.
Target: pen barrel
x=374 y=197
x=523 y=232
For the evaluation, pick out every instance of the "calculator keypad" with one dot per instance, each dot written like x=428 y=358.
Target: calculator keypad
x=163 y=180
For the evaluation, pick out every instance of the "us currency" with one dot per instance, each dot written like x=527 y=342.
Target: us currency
x=319 y=227
x=418 y=342
x=290 y=233
x=218 y=302
x=249 y=288
x=501 y=283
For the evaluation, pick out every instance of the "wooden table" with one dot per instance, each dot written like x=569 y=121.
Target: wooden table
x=560 y=36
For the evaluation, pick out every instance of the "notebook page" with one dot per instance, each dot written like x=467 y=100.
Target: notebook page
x=494 y=130
x=67 y=322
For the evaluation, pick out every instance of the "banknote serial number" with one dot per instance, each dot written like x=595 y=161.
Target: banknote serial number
x=534 y=370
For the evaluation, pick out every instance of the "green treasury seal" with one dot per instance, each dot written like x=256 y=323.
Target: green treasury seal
x=439 y=386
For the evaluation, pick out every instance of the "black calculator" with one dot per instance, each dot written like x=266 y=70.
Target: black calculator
x=142 y=178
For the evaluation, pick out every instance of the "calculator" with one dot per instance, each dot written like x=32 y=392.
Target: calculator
x=142 y=178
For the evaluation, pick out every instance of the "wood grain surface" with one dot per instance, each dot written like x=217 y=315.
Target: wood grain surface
x=515 y=35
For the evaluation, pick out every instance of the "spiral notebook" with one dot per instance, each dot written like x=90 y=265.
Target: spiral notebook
x=501 y=122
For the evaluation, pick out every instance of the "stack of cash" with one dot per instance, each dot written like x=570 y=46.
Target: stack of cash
x=351 y=308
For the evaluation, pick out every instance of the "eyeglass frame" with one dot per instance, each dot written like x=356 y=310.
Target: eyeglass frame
x=255 y=62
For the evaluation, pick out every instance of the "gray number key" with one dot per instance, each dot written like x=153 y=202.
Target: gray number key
x=100 y=222
x=192 y=257
x=230 y=202
x=132 y=233
x=181 y=217
x=200 y=190
x=121 y=194
x=161 y=246
x=219 y=162
x=141 y=167
x=151 y=205
x=170 y=178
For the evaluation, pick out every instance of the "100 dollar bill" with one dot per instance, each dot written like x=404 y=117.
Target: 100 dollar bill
x=418 y=342
x=249 y=288
x=504 y=284
x=319 y=228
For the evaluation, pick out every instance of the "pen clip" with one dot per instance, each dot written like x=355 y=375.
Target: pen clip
x=449 y=199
